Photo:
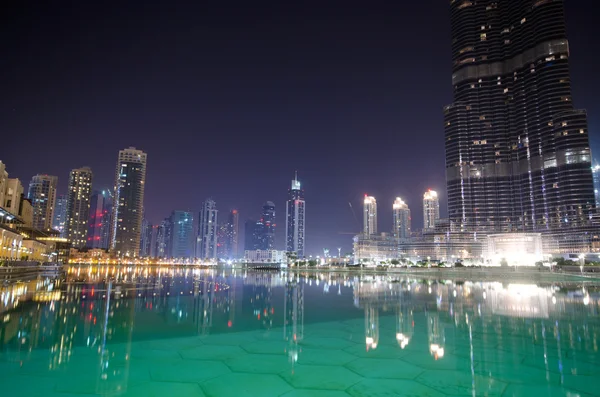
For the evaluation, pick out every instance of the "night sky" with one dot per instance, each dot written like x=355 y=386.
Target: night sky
x=229 y=99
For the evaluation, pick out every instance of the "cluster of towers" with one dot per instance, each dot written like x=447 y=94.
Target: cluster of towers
x=401 y=215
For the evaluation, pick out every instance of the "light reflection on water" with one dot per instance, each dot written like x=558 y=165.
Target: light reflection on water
x=102 y=317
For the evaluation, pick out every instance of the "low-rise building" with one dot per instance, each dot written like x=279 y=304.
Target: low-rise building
x=375 y=248
x=265 y=256
x=33 y=250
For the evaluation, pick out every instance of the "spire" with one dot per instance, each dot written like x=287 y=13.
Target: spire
x=295 y=183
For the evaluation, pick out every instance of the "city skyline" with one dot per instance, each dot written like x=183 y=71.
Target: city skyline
x=245 y=189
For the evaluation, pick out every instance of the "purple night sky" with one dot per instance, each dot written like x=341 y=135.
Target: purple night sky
x=229 y=99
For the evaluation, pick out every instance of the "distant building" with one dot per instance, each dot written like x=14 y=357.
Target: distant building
x=369 y=216
x=266 y=257
x=182 y=234
x=130 y=180
x=60 y=215
x=145 y=238
x=401 y=219
x=233 y=233
x=295 y=217
x=163 y=239
x=78 y=206
x=42 y=193
x=154 y=241
x=206 y=242
x=253 y=232
x=431 y=209
x=373 y=249
x=99 y=220
x=267 y=234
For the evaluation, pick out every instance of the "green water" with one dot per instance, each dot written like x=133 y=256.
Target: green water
x=139 y=332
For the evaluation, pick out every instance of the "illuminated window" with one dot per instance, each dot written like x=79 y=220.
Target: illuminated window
x=483 y=37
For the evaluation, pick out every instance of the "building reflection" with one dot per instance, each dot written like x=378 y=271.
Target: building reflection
x=293 y=322
x=92 y=310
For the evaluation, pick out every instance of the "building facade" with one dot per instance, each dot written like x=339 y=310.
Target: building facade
x=252 y=233
x=78 y=206
x=401 y=219
x=163 y=239
x=13 y=195
x=206 y=242
x=130 y=180
x=431 y=210
x=295 y=216
x=233 y=234
x=369 y=215
x=42 y=193
x=182 y=234
x=99 y=220
x=267 y=232
x=517 y=150
x=60 y=215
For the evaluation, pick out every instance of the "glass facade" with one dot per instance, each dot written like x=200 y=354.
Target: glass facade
x=295 y=216
x=517 y=151
x=42 y=193
x=130 y=179
x=78 y=206
x=182 y=234
x=206 y=243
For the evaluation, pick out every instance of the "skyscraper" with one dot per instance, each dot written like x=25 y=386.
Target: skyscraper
x=42 y=193
x=182 y=234
x=227 y=236
x=266 y=233
x=253 y=232
x=130 y=178
x=78 y=206
x=402 y=219
x=596 y=179
x=295 y=215
x=369 y=216
x=163 y=239
x=431 y=209
x=145 y=237
x=60 y=214
x=234 y=233
x=206 y=243
x=98 y=220
x=517 y=151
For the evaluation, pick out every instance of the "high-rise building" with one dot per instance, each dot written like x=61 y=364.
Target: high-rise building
x=402 y=219
x=253 y=232
x=222 y=232
x=431 y=209
x=596 y=179
x=369 y=216
x=12 y=198
x=42 y=193
x=78 y=206
x=227 y=236
x=145 y=238
x=233 y=234
x=99 y=219
x=295 y=215
x=267 y=232
x=517 y=151
x=154 y=241
x=182 y=234
x=163 y=239
x=130 y=180
x=206 y=242
x=60 y=215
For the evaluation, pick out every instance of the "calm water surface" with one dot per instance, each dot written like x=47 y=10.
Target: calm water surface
x=118 y=331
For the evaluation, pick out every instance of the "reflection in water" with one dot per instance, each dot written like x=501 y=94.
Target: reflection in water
x=293 y=323
x=101 y=312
